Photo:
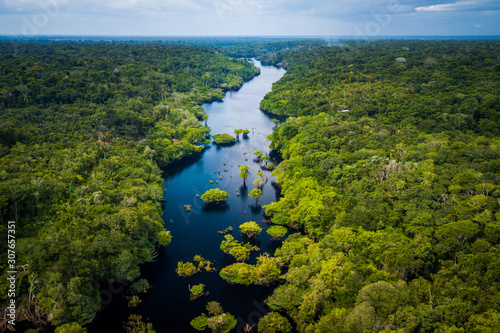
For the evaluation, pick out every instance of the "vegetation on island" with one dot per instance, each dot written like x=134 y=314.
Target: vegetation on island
x=216 y=319
x=240 y=251
x=197 y=291
x=215 y=195
x=199 y=264
x=84 y=129
x=251 y=229
x=264 y=273
x=223 y=139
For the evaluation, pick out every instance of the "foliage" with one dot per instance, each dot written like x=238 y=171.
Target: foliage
x=244 y=172
x=163 y=238
x=139 y=287
x=203 y=264
x=266 y=271
x=270 y=166
x=217 y=320
x=133 y=301
x=214 y=308
x=277 y=232
x=256 y=193
x=223 y=139
x=258 y=182
x=397 y=200
x=273 y=322
x=251 y=229
x=187 y=269
x=199 y=323
x=240 y=251
x=70 y=328
x=215 y=195
x=84 y=129
x=197 y=289
x=136 y=325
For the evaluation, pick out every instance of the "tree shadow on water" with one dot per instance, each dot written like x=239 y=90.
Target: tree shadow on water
x=215 y=207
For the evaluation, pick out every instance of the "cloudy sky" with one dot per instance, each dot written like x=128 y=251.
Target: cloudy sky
x=250 y=17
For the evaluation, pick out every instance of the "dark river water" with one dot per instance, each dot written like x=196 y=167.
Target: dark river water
x=167 y=304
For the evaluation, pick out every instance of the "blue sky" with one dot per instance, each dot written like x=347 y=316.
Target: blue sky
x=370 y=18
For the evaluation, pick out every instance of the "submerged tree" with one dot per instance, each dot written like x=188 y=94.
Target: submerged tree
x=186 y=269
x=239 y=251
x=256 y=193
x=217 y=320
x=237 y=132
x=197 y=291
x=251 y=229
x=258 y=182
x=266 y=271
x=246 y=132
x=258 y=153
x=244 y=172
x=215 y=195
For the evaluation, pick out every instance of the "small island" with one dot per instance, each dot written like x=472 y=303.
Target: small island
x=215 y=195
x=223 y=139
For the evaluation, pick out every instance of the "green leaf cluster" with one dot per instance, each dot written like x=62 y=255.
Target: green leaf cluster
x=251 y=229
x=187 y=269
x=264 y=273
x=223 y=139
x=240 y=251
x=215 y=195
x=217 y=320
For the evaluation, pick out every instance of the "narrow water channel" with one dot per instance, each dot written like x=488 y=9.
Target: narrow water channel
x=167 y=304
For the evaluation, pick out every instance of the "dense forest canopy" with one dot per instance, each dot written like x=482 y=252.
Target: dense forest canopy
x=397 y=199
x=390 y=178
x=435 y=85
x=84 y=129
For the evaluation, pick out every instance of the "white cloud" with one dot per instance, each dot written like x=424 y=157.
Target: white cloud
x=455 y=6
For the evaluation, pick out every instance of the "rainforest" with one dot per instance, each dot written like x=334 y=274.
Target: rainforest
x=251 y=186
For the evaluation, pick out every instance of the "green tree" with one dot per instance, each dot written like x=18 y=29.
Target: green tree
x=186 y=269
x=251 y=229
x=217 y=320
x=277 y=232
x=256 y=193
x=237 y=132
x=164 y=238
x=244 y=172
x=70 y=328
x=273 y=322
x=258 y=182
x=215 y=195
x=197 y=289
x=223 y=139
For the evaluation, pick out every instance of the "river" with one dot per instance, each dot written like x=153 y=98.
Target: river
x=167 y=304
